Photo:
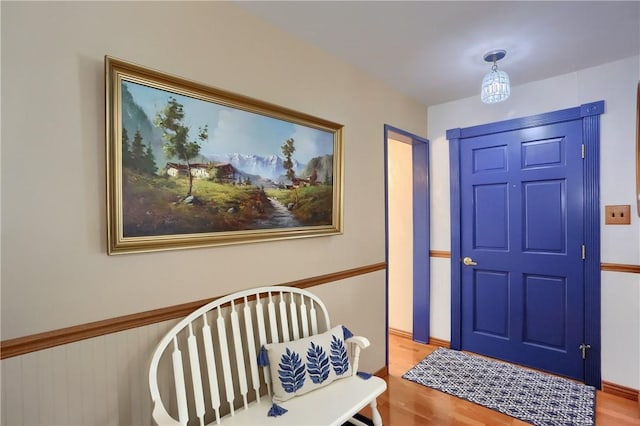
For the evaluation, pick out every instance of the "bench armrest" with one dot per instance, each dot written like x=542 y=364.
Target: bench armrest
x=359 y=343
x=162 y=418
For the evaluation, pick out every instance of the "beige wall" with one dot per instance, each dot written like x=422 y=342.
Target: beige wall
x=55 y=270
x=53 y=210
x=615 y=83
x=400 y=231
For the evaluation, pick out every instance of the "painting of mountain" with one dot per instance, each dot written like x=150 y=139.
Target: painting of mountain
x=189 y=161
x=321 y=168
x=267 y=167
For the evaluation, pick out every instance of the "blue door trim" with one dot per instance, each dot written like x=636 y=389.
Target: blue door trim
x=421 y=237
x=570 y=114
x=421 y=261
x=591 y=132
x=590 y=116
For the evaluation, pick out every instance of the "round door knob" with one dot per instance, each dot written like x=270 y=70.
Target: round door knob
x=469 y=261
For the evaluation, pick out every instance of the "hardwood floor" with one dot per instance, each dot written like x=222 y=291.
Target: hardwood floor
x=407 y=404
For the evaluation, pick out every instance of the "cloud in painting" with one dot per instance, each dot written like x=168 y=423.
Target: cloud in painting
x=311 y=143
x=242 y=132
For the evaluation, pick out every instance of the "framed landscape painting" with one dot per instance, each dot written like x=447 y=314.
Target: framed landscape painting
x=191 y=166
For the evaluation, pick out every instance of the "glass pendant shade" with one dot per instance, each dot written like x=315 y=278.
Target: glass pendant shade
x=495 y=86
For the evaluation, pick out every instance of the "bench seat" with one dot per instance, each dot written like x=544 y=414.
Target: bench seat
x=332 y=405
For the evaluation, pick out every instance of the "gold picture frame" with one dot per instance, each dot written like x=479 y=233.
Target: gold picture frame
x=189 y=165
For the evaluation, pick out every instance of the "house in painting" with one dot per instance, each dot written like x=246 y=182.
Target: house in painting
x=222 y=172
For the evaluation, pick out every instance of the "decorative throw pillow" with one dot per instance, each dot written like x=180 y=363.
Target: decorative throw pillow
x=307 y=364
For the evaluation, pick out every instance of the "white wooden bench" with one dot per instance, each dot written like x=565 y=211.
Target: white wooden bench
x=205 y=369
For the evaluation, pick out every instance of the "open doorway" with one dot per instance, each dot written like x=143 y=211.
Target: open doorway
x=407 y=233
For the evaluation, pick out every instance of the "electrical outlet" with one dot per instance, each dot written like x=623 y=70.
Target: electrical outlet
x=617 y=215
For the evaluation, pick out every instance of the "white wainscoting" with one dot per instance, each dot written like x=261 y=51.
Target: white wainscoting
x=98 y=381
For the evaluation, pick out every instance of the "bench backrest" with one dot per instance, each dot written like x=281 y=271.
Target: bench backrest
x=206 y=366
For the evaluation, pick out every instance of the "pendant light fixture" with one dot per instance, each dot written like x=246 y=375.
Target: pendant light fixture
x=495 y=85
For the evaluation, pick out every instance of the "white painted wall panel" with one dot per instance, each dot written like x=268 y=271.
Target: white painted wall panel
x=440 y=298
x=621 y=328
x=46 y=387
x=12 y=394
x=99 y=381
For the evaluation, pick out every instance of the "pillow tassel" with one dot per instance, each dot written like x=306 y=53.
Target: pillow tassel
x=263 y=357
x=363 y=375
x=347 y=333
x=276 y=410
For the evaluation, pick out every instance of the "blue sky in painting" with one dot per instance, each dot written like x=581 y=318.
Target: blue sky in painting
x=235 y=131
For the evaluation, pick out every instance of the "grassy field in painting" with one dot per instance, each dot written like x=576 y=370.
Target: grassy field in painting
x=155 y=205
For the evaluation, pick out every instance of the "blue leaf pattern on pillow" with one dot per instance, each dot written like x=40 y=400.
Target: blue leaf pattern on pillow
x=317 y=364
x=339 y=357
x=291 y=371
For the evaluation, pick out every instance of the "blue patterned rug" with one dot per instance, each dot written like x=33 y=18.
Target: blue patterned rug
x=533 y=397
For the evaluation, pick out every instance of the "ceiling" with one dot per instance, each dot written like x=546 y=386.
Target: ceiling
x=433 y=50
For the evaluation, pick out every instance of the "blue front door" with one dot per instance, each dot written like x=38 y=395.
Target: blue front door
x=522 y=236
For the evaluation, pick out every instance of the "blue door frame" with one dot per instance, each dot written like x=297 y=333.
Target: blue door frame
x=590 y=116
x=421 y=267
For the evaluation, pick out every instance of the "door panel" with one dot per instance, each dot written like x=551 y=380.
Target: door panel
x=522 y=223
x=491 y=210
x=544 y=222
x=545 y=311
x=491 y=303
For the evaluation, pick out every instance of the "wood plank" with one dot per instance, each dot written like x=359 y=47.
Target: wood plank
x=432 y=340
x=440 y=253
x=620 y=267
x=401 y=333
x=439 y=342
x=619 y=390
x=411 y=404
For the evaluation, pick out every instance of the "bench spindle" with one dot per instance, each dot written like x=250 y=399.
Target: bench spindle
x=251 y=347
x=226 y=363
x=196 y=378
x=178 y=377
x=314 y=319
x=303 y=317
x=237 y=345
x=262 y=339
x=284 y=323
x=293 y=311
x=211 y=367
x=273 y=323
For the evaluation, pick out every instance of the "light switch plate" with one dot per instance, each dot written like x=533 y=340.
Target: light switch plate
x=617 y=215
